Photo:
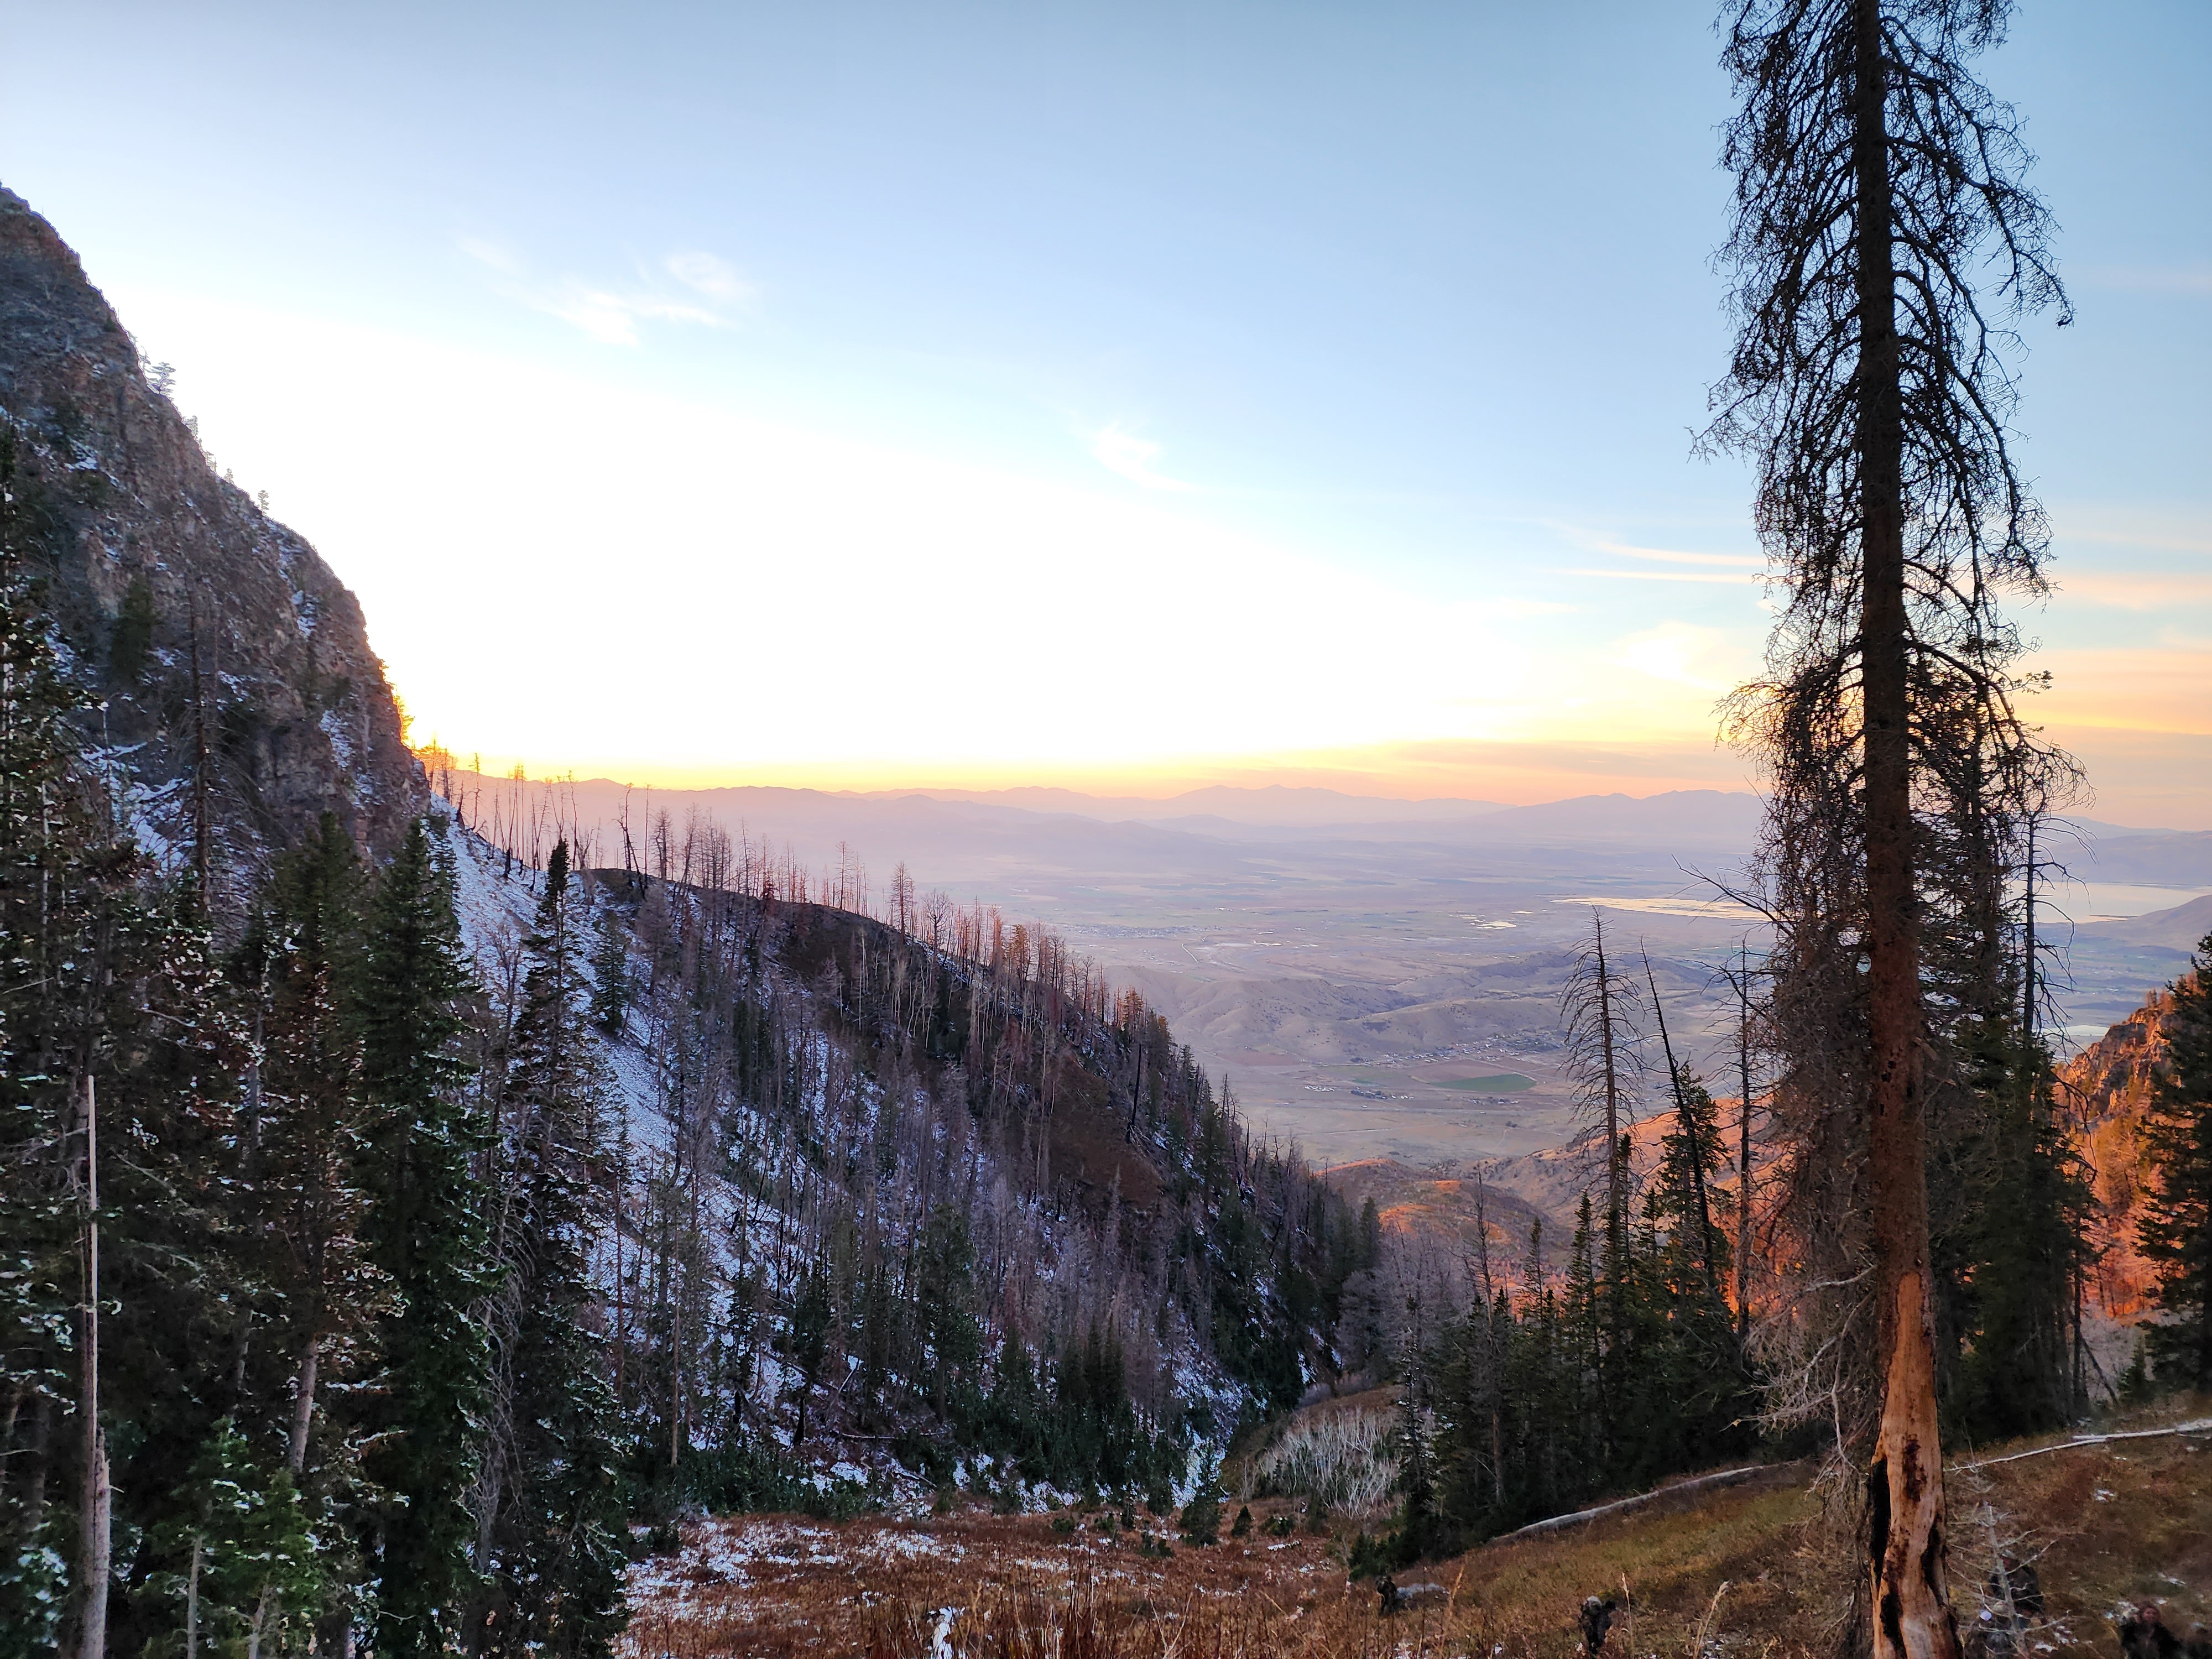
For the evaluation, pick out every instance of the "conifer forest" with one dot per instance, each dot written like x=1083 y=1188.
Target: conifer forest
x=434 y=1223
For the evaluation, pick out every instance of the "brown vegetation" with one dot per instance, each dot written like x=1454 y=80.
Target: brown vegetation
x=1750 y=1572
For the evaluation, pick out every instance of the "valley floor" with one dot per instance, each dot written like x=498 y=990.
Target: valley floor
x=1744 y=1573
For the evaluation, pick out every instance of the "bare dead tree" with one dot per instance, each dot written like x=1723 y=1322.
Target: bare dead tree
x=1741 y=979
x=1601 y=1012
x=1882 y=245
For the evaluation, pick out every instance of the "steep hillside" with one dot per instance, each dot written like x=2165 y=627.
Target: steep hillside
x=2105 y=1090
x=886 y=1209
x=238 y=680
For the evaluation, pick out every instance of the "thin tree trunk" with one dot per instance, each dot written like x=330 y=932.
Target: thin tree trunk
x=1743 y=1150
x=192 y=1601
x=254 y=1635
x=1904 y=1483
x=303 y=1405
x=1689 y=1133
x=92 y=1547
x=1616 y=1176
x=7 y=1452
x=2028 y=953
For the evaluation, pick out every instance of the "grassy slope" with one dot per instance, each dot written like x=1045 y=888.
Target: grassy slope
x=2120 y=1523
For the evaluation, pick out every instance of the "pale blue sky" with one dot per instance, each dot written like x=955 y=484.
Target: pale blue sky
x=1416 y=296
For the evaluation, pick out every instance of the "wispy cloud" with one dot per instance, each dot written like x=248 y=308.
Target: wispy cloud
x=1734 y=569
x=1119 y=450
x=704 y=273
x=1670 y=556
x=612 y=315
x=1744 y=580
x=2136 y=590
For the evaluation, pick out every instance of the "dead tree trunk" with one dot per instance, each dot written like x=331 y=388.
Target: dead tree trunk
x=96 y=1499
x=1905 y=1482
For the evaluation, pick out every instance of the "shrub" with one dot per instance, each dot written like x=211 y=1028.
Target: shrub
x=1201 y=1517
x=1342 y=1459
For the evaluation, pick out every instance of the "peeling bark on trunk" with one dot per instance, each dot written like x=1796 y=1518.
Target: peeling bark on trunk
x=1905 y=1482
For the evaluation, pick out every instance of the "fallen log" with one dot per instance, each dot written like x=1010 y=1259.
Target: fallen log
x=1656 y=1495
x=2199 y=1425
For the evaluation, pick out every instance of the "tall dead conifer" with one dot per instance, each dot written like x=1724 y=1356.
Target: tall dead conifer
x=1882 y=241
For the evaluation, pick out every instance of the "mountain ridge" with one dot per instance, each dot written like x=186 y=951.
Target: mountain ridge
x=225 y=651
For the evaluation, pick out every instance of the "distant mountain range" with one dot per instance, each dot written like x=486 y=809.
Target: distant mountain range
x=921 y=822
x=2182 y=927
x=958 y=835
x=1273 y=806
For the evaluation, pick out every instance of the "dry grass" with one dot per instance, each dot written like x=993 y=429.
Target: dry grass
x=2108 y=1524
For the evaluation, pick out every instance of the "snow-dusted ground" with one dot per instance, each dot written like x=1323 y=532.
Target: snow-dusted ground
x=785 y=1585
x=496 y=901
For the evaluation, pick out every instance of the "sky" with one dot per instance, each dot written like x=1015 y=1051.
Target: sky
x=1127 y=397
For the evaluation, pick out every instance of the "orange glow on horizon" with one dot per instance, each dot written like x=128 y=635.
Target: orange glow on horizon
x=1512 y=774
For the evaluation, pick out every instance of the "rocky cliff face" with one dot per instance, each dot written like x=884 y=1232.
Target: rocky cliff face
x=2105 y=1090
x=230 y=657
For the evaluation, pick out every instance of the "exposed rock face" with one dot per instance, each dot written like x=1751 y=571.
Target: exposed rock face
x=2105 y=1090
x=150 y=560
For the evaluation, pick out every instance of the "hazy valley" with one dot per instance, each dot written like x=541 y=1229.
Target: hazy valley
x=1373 y=978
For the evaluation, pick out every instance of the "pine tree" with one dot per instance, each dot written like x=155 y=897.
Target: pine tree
x=945 y=1276
x=51 y=855
x=1420 y=1532
x=1883 y=239
x=2176 y=1231
x=307 y=1138
x=425 y=1229
x=116 y=1061
x=1200 y=1520
x=2022 y=1203
x=304 y=1199
x=250 y=1577
x=549 y=1515
x=611 y=985
x=1708 y=1384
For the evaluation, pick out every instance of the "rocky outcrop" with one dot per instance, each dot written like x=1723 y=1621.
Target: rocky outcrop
x=229 y=656
x=2104 y=1092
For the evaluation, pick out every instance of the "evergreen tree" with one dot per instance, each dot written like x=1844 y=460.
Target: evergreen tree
x=611 y=985
x=1698 y=1356
x=944 y=1275
x=812 y=1315
x=303 y=1201
x=1419 y=1532
x=2176 y=1231
x=308 y=1128
x=116 y=1061
x=2022 y=1202
x=1200 y=1520
x=134 y=632
x=54 y=864
x=550 y=1518
x=251 y=1578
x=425 y=1229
